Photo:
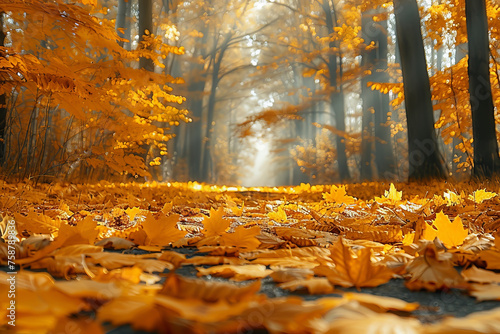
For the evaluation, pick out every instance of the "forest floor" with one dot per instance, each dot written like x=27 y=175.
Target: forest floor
x=193 y=258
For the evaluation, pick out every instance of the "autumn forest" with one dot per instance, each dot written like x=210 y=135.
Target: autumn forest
x=249 y=166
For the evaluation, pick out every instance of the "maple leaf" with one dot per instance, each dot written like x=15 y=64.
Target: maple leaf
x=392 y=196
x=162 y=231
x=451 y=234
x=354 y=269
x=278 y=216
x=36 y=223
x=338 y=195
x=432 y=271
x=242 y=237
x=215 y=225
x=452 y=198
x=479 y=196
x=132 y=212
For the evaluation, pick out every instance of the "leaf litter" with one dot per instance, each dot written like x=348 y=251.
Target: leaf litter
x=279 y=260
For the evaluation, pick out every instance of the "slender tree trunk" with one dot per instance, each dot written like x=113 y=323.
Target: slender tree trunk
x=384 y=153
x=3 y=107
x=457 y=154
x=145 y=28
x=206 y=164
x=368 y=97
x=121 y=19
x=425 y=161
x=336 y=95
x=486 y=160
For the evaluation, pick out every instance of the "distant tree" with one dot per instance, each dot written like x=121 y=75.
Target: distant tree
x=486 y=160
x=424 y=157
x=75 y=107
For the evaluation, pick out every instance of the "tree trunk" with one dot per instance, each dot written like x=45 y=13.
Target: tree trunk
x=121 y=19
x=217 y=58
x=145 y=28
x=384 y=153
x=425 y=161
x=336 y=95
x=368 y=97
x=486 y=160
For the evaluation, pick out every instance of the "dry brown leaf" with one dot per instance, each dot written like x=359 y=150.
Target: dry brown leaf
x=484 y=292
x=433 y=271
x=475 y=274
x=381 y=304
x=209 y=291
x=479 y=322
x=354 y=269
x=115 y=243
x=282 y=275
x=314 y=286
x=355 y=318
x=235 y=272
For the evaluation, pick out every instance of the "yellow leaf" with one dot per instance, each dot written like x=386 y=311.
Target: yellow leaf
x=338 y=195
x=132 y=212
x=354 y=269
x=481 y=195
x=451 y=234
x=315 y=286
x=162 y=231
x=237 y=273
x=215 y=225
x=242 y=237
x=278 y=216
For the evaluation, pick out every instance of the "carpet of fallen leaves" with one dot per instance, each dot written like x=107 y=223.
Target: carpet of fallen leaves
x=93 y=257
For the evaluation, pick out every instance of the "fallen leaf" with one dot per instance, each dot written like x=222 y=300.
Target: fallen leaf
x=314 y=286
x=433 y=271
x=354 y=269
x=338 y=195
x=479 y=196
x=242 y=237
x=115 y=243
x=209 y=291
x=451 y=234
x=484 y=292
x=237 y=273
x=215 y=225
x=162 y=231
x=475 y=274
